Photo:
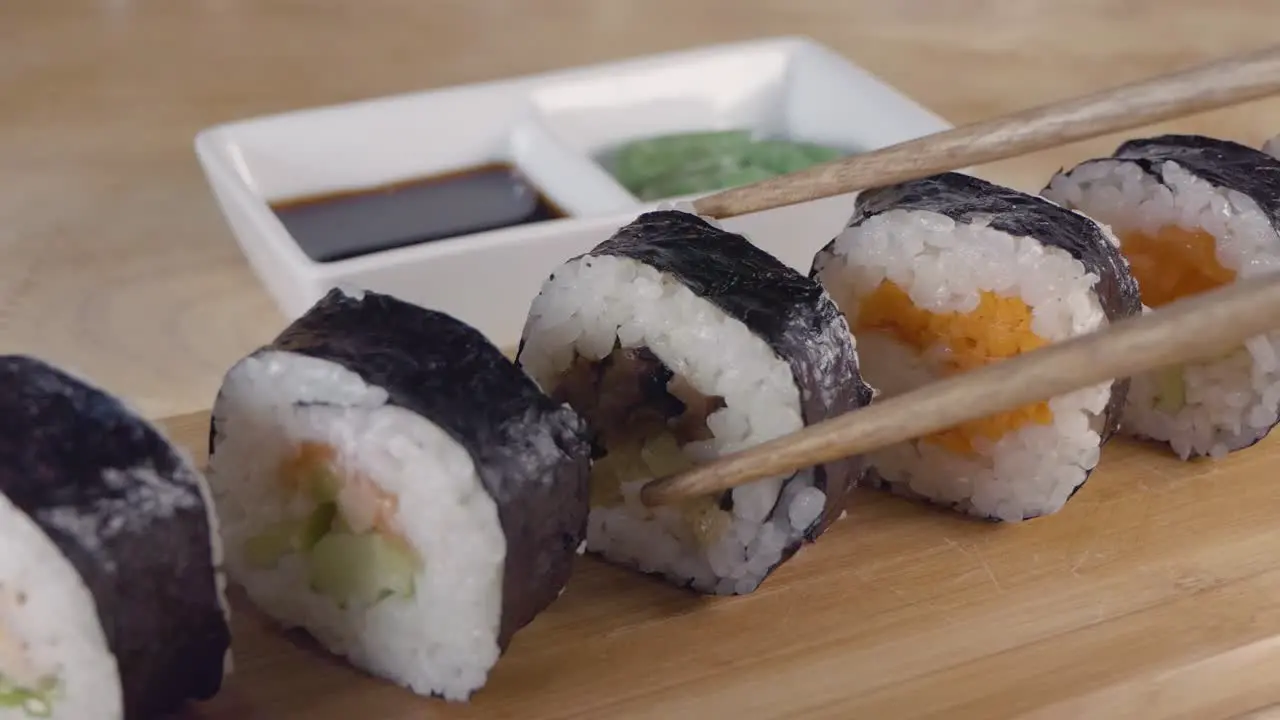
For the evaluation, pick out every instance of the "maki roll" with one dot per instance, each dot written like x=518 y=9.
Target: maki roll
x=949 y=273
x=111 y=596
x=678 y=342
x=1192 y=214
x=392 y=484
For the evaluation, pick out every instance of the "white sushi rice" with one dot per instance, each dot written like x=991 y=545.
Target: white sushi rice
x=587 y=305
x=49 y=626
x=444 y=639
x=1233 y=401
x=943 y=266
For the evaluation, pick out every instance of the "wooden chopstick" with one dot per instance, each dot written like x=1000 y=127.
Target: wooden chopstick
x=1206 y=87
x=1196 y=328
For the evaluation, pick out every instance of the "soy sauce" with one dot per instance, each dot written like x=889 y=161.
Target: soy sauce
x=351 y=224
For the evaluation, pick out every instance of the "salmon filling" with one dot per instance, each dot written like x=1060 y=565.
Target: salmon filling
x=955 y=342
x=353 y=550
x=1174 y=263
x=644 y=417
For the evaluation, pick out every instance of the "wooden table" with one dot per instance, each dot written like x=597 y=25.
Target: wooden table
x=114 y=260
x=1155 y=594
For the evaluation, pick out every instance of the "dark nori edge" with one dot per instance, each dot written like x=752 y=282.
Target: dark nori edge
x=792 y=314
x=442 y=369
x=1222 y=163
x=151 y=570
x=965 y=199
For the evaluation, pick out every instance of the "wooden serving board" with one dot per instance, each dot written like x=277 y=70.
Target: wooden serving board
x=1154 y=594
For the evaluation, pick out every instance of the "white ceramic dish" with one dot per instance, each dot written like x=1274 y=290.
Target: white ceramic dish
x=550 y=126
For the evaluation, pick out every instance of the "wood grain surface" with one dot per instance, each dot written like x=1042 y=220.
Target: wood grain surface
x=1153 y=594
x=114 y=258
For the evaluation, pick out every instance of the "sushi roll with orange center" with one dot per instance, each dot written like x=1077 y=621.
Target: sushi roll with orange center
x=1192 y=214
x=949 y=273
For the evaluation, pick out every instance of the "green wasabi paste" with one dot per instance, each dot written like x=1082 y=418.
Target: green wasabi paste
x=703 y=162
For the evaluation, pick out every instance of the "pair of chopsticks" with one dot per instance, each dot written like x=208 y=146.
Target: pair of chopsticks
x=1196 y=328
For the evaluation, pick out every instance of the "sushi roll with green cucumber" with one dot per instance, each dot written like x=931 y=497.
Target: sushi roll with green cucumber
x=111 y=592
x=679 y=342
x=949 y=273
x=391 y=483
x=1192 y=214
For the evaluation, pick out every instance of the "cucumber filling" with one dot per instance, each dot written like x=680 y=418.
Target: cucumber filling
x=1171 y=390
x=352 y=553
x=266 y=549
x=360 y=569
x=35 y=702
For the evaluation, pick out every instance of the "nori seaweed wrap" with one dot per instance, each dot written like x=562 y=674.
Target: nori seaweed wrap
x=948 y=273
x=111 y=594
x=1192 y=214
x=678 y=342
x=393 y=484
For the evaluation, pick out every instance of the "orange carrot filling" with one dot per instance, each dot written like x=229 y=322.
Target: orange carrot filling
x=1173 y=263
x=999 y=328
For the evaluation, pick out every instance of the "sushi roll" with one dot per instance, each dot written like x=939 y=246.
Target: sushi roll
x=678 y=342
x=949 y=273
x=395 y=486
x=1192 y=214
x=130 y=620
